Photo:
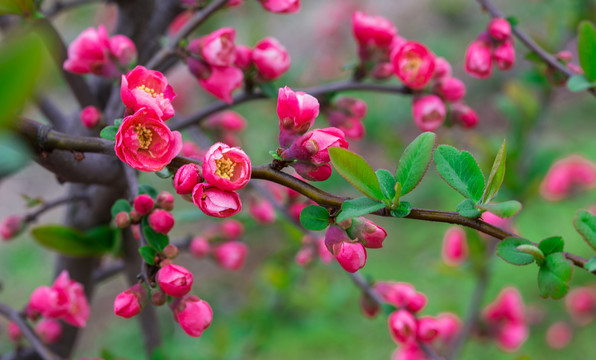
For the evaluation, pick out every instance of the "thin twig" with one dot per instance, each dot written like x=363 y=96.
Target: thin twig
x=31 y=217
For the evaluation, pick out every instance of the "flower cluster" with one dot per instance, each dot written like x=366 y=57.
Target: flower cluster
x=94 y=52
x=222 y=242
x=312 y=247
x=494 y=44
x=506 y=320
x=157 y=211
x=221 y=66
x=346 y=113
x=567 y=176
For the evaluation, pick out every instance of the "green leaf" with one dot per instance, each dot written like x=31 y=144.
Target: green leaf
x=507 y=250
x=358 y=207
x=534 y=251
x=586 y=47
x=17 y=7
x=148 y=253
x=551 y=245
x=414 y=162
x=387 y=182
x=314 y=217
x=585 y=224
x=402 y=210
x=157 y=240
x=554 y=275
x=72 y=242
x=14 y=153
x=460 y=171
x=275 y=155
x=497 y=174
x=149 y=190
x=118 y=122
x=591 y=264
x=504 y=209
x=534 y=58
x=357 y=171
x=468 y=209
x=578 y=83
x=109 y=133
x=513 y=21
x=120 y=205
x=164 y=173
x=269 y=90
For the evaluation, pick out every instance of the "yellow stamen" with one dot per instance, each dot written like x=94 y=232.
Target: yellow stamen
x=149 y=91
x=225 y=168
x=144 y=136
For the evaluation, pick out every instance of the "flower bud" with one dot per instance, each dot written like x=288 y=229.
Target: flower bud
x=14 y=332
x=170 y=251
x=186 y=178
x=479 y=59
x=372 y=30
x=429 y=112
x=136 y=232
x=455 y=246
x=347 y=114
x=218 y=81
x=499 y=29
x=451 y=89
x=464 y=115
x=217 y=48
x=295 y=209
x=297 y=112
x=571 y=173
x=161 y=221
x=11 y=227
x=174 y=280
x=143 y=204
x=216 y=202
x=313 y=146
x=243 y=57
x=313 y=172
x=334 y=237
x=449 y=325
x=158 y=297
x=504 y=55
x=370 y=308
x=304 y=256
x=402 y=326
x=123 y=219
x=193 y=314
x=367 y=232
x=231 y=255
x=559 y=335
x=414 y=65
x=262 y=211
x=442 y=68
x=226 y=121
x=135 y=217
x=227 y=168
x=581 y=304
x=130 y=302
x=90 y=116
x=231 y=229
x=199 y=247
x=270 y=58
x=281 y=6
x=351 y=256
x=427 y=329
x=506 y=320
x=401 y=295
x=165 y=201
x=123 y=49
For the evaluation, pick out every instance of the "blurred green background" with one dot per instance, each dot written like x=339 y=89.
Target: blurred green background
x=273 y=308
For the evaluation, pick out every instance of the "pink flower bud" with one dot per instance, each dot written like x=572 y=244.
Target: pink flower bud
x=429 y=112
x=409 y=351
x=414 y=65
x=144 y=88
x=295 y=210
x=565 y=56
x=324 y=255
x=227 y=120
x=231 y=229
x=158 y=297
x=14 y=332
x=347 y=114
x=171 y=251
x=135 y=217
x=193 y=314
x=401 y=295
x=216 y=202
x=271 y=59
x=334 y=238
x=449 y=325
x=143 y=204
x=174 y=280
x=199 y=247
x=313 y=172
x=226 y=168
x=243 y=57
x=161 y=221
x=281 y=6
x=568 y=174
x=180 y=20
x=559 y=335
x=231 y=255
x=217 y=48
x=427 y=329
x=313 y=145
x=402 y=326
x=123 y=220
x=499 y=29
x=451 y=89
x=90 y=53
x=186 y=178
x=11 y=227
x=464 y=115
x=479 y=59
x=221 y=81
x=372 y=30
x=442 y=68
x=165 y=200
x=506 y=319
x=123 y=49
x=511 y=336
x=455 y=246
x=90 y=116
x=297 y=112
x=581 y=304
x=191 y=150
x=130 y=302
x=351 y=256
x=304 y=256
x=262 y=211
x=370 y=234
x=136 y=232
x=504 y=55
x=369 y=307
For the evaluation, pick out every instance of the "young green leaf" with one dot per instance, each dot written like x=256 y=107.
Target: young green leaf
x=578 y=83
x=109 y=133
x=585 y=224
x=460 y=171
x=551 y=245
x=70 y=241
x=467 y=208
x=148 y=253
x=269 y=89
x=157 y=240
x=387 y=182
x=357 y=171
x=591 y=264
x=314 y=217
x=118 y=122
x=414 y=162
x=358 y=207
x=402 y=210
x=554 y=275
x=505 y=209
x=120 y=205
x=497 y=174
x=507 y=250
x=149 y=190
x=586 y=47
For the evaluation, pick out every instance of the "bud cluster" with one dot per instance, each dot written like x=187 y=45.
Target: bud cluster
x=222 y=242
x=493 y=45
x=157 y=211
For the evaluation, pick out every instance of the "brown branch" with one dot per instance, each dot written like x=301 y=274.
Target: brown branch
x=31 y=217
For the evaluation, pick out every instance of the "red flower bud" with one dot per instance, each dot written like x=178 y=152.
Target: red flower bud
x=161 y=221
x=193 y=314
x=231 y=255
x=123 y=220
x=90 y=116
x=499 y=29
x=402 y=326
x=130 y=302
x=174 y=280
x=428 y=112
x=199 y=247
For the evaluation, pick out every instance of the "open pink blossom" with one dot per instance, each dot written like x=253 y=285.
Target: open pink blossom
x=89 y=53
x=429 y=112
x=174 y=280
x=372 y=30
x=217 y=48
x=313 y=146
x=270 y=58
x=231 y=255
x=144 y=141
x=227 y=168
x=414 y=64
x=142 y=87
x=281 y=6
x=216 y=202
x=479 y=59
x=455 y=246
x=193 y=314
x=297 y=112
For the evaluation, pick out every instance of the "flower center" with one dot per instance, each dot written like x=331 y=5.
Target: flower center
x=225 y=168
x=412 y=65
x=149 y=91
x=144 y=136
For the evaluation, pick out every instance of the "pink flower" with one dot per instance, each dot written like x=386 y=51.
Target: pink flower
x=581 y=304
x=145 y=142
x=428 y=112
x=186 y=178
x=455 y=246
x=351 y=256
x=304 y=256
x=372 y=30
x=346 y=114
x=414 y=64
x=227 y=168
x=401 y=295
x=216 y=202
x=499 y=29
x=90 y=116
x=143 y=204
x=231 y=255
x=442 y=68
x=222 y=81
x=262 y=211
x=14 y=332
x=231 y=229
x=324 y=255
x=217 y=48
x=130 y=302
x=179 y=22
x=409 y=351
x=123 y=49
x=427 y=329
x=479 y=59
x=122 y=219
x=90 y=53
x=313 y=172
x=451 y=89
x=281 y=6
x=370 y=234
x=199 y=247
x=402 y=326
x=243 y=57
x=165 y=200
x=506 y=318
x=297 y=112
x=193 y=314
x=142 y=87
x=464 y=115
x=161 y=221
x=270 y=58
x=11 y=227
x=313 y=146
x=227 y=120
x=449 y=325
x=568 y=174
x=334 y=239
x=191 y=150
x=174 y=280
x=504 y=55
x=559 y=335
